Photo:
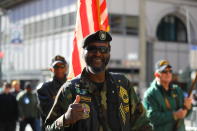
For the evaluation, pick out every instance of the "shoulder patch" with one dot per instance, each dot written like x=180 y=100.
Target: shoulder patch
x=86 y=99
x=124 y=95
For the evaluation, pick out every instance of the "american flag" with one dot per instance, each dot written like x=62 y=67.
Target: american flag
x=92 y=15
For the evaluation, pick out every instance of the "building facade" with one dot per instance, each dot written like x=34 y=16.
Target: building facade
x=34 y=31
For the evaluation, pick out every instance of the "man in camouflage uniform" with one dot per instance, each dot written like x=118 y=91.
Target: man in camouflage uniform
x=97 y=100
x=164 y=101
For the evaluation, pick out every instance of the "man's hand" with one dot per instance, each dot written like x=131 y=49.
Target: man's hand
x=188 y=103
x=75 y=112
x=180 y=114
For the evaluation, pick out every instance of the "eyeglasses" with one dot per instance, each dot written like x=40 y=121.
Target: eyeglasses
x=101 y=49
x=59 y=66
x=167 y=71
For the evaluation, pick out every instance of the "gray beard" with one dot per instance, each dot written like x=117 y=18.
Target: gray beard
x=95 y=70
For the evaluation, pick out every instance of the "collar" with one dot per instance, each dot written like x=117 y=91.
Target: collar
x=160 y=87
x=88 y=84
x=60 y=81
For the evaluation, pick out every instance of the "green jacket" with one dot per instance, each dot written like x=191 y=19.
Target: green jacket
x=154 y=101
x=27 y=104
x=125 y=111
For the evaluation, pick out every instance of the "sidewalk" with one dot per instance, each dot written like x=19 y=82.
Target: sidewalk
x=191 y=120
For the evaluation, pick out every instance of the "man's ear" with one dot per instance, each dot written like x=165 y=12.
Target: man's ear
x=156 y=74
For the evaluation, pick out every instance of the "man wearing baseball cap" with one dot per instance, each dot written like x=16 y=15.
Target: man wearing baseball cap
x=48 y=90
x=165 y=103
x=97 y=100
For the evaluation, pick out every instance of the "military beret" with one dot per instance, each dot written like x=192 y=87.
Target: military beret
x=161 y=65
x=99 y=36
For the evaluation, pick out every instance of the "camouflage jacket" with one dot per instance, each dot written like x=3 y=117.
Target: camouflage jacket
x=125 y=111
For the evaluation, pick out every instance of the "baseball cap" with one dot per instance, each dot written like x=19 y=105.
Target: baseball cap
x=58 y=59
x=27 y=85
x=161 y=65
x=99 y=36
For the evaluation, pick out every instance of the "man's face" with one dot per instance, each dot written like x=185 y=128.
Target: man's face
x=29 y=89
x=6 y=90
x=17 y=86
x=60 y=70
x=97 y=56
x=166 y=75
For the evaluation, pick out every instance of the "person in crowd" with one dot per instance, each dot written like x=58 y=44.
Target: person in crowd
x=97 y=100
x=48 y=90
x=28 y=107
x=16 y=87
x=165 y=102
x=194 y=97
x=8 y=109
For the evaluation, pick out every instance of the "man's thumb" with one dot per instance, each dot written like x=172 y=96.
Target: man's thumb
x=77 y=99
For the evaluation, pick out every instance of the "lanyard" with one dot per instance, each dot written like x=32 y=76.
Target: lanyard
x=167 y=102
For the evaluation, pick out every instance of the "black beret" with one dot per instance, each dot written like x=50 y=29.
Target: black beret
x=99 y=36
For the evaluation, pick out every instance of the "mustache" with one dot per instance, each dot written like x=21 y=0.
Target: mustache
x=98 y=58
x=89 y=60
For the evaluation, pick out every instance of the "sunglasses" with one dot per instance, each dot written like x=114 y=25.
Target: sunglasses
x=167 y=71
x=101 y=49
x=59 y=66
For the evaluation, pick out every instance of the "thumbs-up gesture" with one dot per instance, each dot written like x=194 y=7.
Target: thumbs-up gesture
x=75 y=112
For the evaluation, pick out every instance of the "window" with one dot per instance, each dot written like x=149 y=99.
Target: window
x=132 y=25
x=25 y=31
x=171 y=28
x=57 y=22
x=116 y=23
x=65 y=21
x=50 y=25
x=72 y=18
x=46 y=26
x=124 y=24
